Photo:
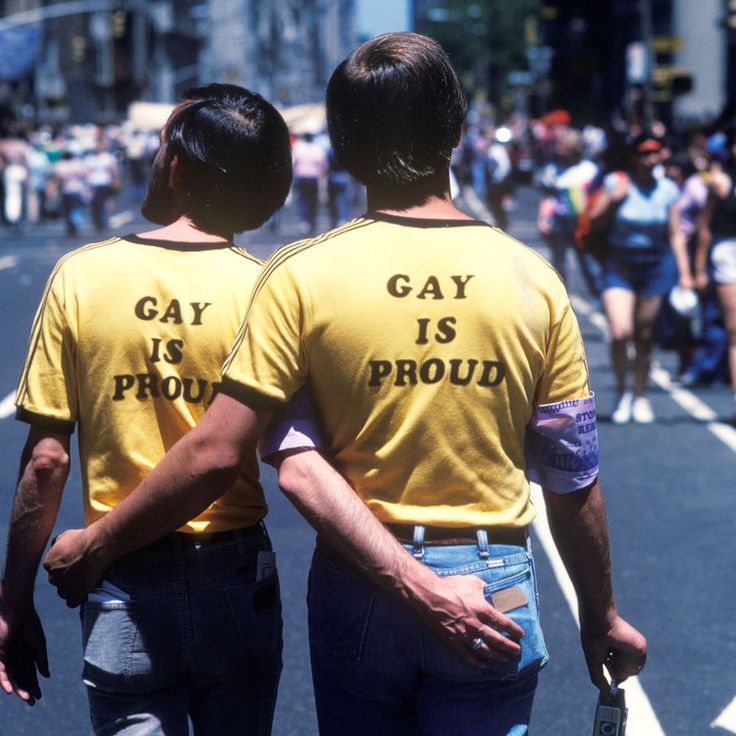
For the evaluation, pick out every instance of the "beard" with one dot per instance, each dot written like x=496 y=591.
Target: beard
x=158 y=207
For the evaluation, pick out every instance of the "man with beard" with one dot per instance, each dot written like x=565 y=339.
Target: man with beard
x=127 y=344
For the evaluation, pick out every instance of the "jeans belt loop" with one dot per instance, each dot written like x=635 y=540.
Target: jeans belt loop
x=482 y=536
x=418 y=542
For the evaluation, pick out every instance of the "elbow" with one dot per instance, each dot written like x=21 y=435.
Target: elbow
x=291 y=475
x=215 y=458
x=48 y=459
x=296 y=473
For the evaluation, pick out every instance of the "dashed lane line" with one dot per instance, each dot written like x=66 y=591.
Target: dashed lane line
x=700 y=411
x=8 y=262
x=694 y=406
x=642 y=720
x=727 y=719
x=121 y=218
x=7 y=406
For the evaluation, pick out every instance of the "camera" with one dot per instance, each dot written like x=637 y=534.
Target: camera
x=611 y=712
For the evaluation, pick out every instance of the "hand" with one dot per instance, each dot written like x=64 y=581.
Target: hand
x=686 y=281
x=622 y=649
x=620 y=189
x=73 y=569
x=22 y=652
x=701 y=281
x=458 y=612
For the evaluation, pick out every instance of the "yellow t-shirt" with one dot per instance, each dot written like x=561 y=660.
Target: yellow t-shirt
x=128 y=343
x=426 y=345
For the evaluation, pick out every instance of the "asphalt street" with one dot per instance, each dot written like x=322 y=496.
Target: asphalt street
x=670 y=494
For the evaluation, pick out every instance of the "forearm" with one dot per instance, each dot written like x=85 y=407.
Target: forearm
x=186 y=481
x=197 y=470
x=579 y=528
x=702 y=249
x=341 y=518
x=43 y=474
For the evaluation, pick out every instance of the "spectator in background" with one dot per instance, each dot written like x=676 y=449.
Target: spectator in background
x=566 y=182
x=718 y=226
x=339 y=190
x=310 y=165
x=15 y=177
x=498 y=180
x=72 y=176
x=38 y=174
x=645 y=257
x=103 y=178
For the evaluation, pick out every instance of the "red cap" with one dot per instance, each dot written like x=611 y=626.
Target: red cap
x=649 y=145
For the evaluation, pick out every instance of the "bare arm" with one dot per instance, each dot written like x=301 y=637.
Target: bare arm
x=44 y=470
x=453 y=607
x=678 y=243
x=197 y=470
x=578 y=525
x=205 y=462
x=703 y=242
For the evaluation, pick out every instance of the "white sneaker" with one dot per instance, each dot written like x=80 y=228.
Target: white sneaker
x=641 y=410
x=622 y=412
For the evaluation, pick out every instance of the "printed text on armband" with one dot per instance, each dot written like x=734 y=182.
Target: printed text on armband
x=556 y=408
x=567 y=460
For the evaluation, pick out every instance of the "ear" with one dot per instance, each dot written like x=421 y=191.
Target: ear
x=175 y=173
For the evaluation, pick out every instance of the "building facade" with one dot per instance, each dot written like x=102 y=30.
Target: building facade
x=87 y=60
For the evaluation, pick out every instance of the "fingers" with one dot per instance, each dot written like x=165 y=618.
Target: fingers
x=5 y=683
x=597 y=676
x=500 y=622
x=21 y=679
x=623 y=664
x=41 y=658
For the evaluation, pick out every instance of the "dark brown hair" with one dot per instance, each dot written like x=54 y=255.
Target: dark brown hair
x=394 y=110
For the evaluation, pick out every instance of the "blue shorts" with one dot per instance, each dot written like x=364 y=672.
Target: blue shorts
x=650 y=275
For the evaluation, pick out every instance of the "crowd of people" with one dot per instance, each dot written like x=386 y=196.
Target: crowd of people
x=71 y=173
x=407 y=436
x=659 y=210
x=665 y=276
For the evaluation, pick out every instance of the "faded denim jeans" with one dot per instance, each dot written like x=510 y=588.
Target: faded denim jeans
x=183 y=632
x=377 y=672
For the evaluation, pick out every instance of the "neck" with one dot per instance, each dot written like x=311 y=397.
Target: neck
x=183 y=230
x=427 y=200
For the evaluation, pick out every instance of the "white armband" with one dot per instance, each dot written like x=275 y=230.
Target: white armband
x=562 y=445
x=295 y=427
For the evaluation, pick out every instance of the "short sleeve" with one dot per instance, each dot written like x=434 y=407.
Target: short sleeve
x=565 y=375
x=267 y=364
x=562 y=436
x=47 y=390
x=295 y=427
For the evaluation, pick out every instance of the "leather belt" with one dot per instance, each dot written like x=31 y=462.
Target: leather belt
x=516 y=536
x=192 y=540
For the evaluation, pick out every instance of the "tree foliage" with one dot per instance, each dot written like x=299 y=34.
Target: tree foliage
x=485 y=39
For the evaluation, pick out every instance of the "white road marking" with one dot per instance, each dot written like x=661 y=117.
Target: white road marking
x=8 y=262
x=727 y=719
x=642 y=720
x=476 y=205
x=7 y=406
x=121 y=218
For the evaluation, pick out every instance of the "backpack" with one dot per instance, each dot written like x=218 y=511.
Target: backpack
x=591 y=234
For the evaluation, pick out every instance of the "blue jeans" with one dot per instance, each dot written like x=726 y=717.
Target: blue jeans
x=376 y=670
x=178 y=631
